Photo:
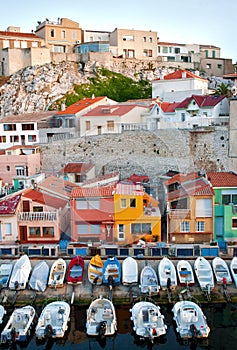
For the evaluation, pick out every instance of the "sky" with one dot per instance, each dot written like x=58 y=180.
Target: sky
x=207 y=22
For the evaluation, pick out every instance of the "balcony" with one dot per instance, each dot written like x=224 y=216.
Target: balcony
x=42 y=216
x=179 y=213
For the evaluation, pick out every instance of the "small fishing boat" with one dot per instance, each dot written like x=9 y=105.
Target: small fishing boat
x=167 y=274
x=75 y=270
x=101 y=318
x=149 y=281
x=221 y=271
x=5 y=274
x=190 y=320
x=204 y=273
x=185 y=273
x=148 y=322
x=57 y=274
x=111 y=272
x=129 y=271
x=2 y=313
x=53 y=320
x=19 y=325
x=39 y=277
x=233 y=269
x=95 y=270
x=20 y=273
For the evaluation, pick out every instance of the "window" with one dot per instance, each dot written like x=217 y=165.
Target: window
x=63 y=34
x=219 y=66
x=74 y=35
x=27 y=126
x=32 y=138
x=24 y=45
x=132 y=202
x=37 y=209
x=9 y=127
x=208 y=65
x=144 y=228
x=52 y=34
x=128 y=38
x=88 y=125
x=206 y=53
x=110 y=125
x=20 y=171
x=177 y=50
x=144 y=39
x=213 y=54
x=229 y=198
x=48 y=231
x=183 y=117
x=80 y=178
x=170 y=49
x=185 y=226
x=8 y=229
x=164 y=49
x=204 y=208
x=87 y=229
x=121 y=235
x=234 y=223
x=123 y=203
x=8 y=168
x=200 y=226
x=3 y=139
x=14 y=138
x=17 y=44
x=150 y=39
x=90 y=203
x=34 y=231
x=6 y=44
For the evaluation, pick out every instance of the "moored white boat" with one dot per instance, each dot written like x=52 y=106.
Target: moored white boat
x=221 y=271
x=129 y=271
x=148 y=322
x=190 y=320
x=2 y=313
x=101 y=318
x=204 y=273
x=167 y=274
x=185 y=273
x=149 y=281
x=233 y=269
x=53 y=320
x=20 y=273
x=57 y=274
x=39 y=277
x=19 y=325
x=5 y=274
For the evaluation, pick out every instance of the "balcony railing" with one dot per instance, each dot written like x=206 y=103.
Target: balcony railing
x=151 y=211
x=179 y=213
x=39 y=216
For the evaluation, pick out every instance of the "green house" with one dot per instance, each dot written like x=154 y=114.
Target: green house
x=225 y=208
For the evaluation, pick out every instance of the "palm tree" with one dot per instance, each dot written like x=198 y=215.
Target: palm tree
x=223 y=89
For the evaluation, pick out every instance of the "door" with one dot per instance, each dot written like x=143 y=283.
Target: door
x=109 y=233
x=219 y=227
x=23 y=233
x=99 y=128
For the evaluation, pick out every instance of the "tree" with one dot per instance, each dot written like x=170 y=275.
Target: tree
x=223 y=89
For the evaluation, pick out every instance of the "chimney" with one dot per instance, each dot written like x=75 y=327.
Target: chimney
x=183 y=74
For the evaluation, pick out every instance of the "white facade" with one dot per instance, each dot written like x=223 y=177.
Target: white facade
x=17 y=133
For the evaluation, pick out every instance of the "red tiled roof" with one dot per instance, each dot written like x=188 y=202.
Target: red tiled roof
x=58 y=186
x=9 y=205
x=168 y=107
x=201 y=100
x=222 y=179
x=182 y=178
x=77 y=168
x=178 y=74
x=80 y=105
x=45 y=199
x=28 y=117
x=103 y=191
x=138 y=178
x=20 y=35
x=112 y=176
x=115 y=110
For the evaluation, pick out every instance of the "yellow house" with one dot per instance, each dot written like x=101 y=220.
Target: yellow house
x=136 y=214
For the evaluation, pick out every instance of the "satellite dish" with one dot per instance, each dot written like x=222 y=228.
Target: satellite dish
x=234 y=90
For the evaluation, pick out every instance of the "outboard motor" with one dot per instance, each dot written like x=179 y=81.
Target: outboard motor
x=48 y=332
x=193 y=330
x=101 y=328
x=13 y=334
x=111 y=282
x=16 y=285
x=168 y=284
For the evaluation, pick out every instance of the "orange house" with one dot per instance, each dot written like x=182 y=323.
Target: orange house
x=136 y=214
x=190 y=208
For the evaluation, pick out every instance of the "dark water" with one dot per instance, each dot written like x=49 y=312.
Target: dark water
x=221 y=318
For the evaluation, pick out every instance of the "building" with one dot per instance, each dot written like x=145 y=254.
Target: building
x=19 y=50
x=78 y=172
x=130 y=43
x=60 y=36
x=136 y=214
x=20 y=166
x=190 y=209
x=176 y=86
x=92 y=214
x=9 y=208
x=225 y=208
x=42 y=218
x=111 y=119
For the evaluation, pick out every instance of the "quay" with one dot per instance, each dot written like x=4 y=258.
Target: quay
x=121 y=295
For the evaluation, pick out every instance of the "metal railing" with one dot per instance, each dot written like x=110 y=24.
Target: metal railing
x=39 y=216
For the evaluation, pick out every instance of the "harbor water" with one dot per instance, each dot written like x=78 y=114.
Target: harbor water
x=221 y=318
